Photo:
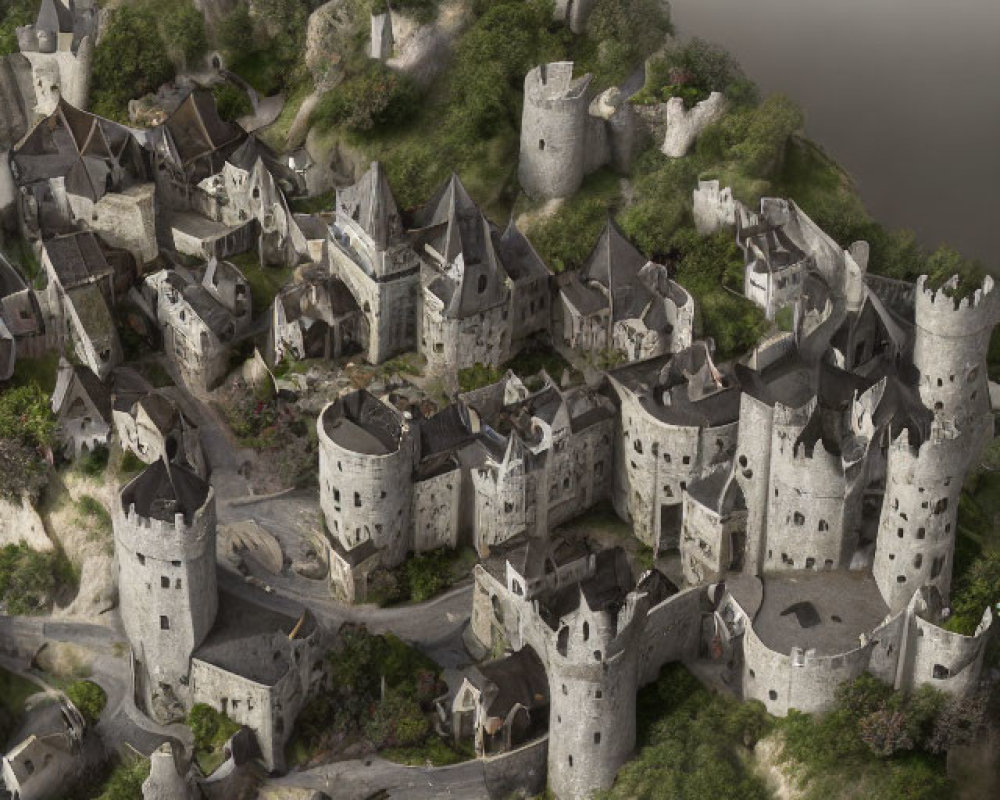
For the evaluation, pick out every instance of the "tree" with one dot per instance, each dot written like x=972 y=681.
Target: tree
x=182 y=28
x=397 y=721
x=129 y=62
x=885 y=731
x=14 y=14
x=89 y=698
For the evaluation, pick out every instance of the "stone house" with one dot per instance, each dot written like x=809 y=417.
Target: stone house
x=369 y=252
x=621 y=302
x=80 y=293
x=465 y=317
x=22 y=329
x=76 y=170
x=317 y=318
x=200 y=319
x=503 y=703
x=82 y=406
x=150 y=425
x=49 y=760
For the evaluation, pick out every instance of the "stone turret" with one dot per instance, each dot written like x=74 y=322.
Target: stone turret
x=951 y=342
x=554 y=130
x=593 y=660
x=164 y=528
x=916 y=532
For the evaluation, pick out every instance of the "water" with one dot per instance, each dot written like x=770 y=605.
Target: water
x=903 y=93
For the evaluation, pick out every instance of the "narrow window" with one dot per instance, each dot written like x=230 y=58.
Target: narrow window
x=164 y=582
x=164 y=624
x=597 y=737
x=541 y=144
x=357 y=500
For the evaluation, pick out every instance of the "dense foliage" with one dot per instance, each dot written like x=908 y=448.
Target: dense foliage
x=231 y=101
x=360 y=666
x=29 y=579
x=693 y=70
x=130 y=61
x=266 y=47
x=14 y=14
x=377 y=96
x=879 y=743
x=26 y=432
x=125 y=781
x=693 y=744
x=89 y=698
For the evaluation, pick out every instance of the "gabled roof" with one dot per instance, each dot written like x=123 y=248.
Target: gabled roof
x=615 y=264
x=196 y=129
x=518 y=256
x=77 y=259
x=371 y=204
x=88 y=383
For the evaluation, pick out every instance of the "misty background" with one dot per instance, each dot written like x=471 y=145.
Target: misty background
x=903 y=93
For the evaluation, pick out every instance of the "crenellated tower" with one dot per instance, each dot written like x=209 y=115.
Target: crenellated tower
x=916 y=532
x=164 y=529
x=951 y=342
x=593 y=659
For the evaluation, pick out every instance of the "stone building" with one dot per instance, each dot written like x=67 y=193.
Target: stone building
x=82 y=288
x=677 y=420
x=82 y=406
x=466 y=290
x=620 y=302
x=370 y=254
x=164 y=528
x=76 y=170
x=189 y=643
x=60 y=48
x=150 y=424
x=200 y=319
x=49 y=761
x=566 y=133
x=317 y=318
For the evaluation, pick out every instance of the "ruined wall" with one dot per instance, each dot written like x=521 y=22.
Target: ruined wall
x=453 y=344
x=710 y=544
x=945 y=660
x=800 y=680
x=167 y=591
x=671 y=632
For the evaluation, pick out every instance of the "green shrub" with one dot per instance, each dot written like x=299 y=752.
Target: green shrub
x=231 y=101
x=211 y=729
x=182 y=29
x=29 y=579
x=428 y=574
x=130 y=463
x=94 y=462
x=129 y=61
x=125 y=782
x=89 y=698
x=623 y=33
x=14 y=14
x=693 y=70
x=378 y=96
x=398 y=721
x=477 y=376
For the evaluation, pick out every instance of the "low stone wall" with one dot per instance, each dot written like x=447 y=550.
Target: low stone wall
x=519 y=771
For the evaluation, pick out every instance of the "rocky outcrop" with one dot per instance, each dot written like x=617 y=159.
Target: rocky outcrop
x=684 y=125
x=19 y=522
x=328 y=35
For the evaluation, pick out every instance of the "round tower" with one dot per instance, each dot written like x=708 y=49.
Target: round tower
x=164 y=528
x=553 y=130
x=366 y=459
x=916 y=530
x=593 y=661
x=950 y=346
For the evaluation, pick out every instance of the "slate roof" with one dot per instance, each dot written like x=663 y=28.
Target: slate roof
x=54 y=16
x=77 y=259
x=160 y=492
x=519 y=678
x=196 y=128
x=251 y=641
x=371 y=204
x=89 y=383
x=518 y=255
x=615 y=264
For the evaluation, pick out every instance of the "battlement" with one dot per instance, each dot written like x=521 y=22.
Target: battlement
x=944 y=434
x=553 y=86
x=938 y=312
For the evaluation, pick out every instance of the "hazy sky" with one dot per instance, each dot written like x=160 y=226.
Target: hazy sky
x=904 y=93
